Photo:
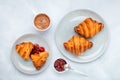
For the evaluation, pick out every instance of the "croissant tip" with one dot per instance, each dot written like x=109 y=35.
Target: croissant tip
x=101 y=26
x=91 y=44
x=90 y=18
x=65 y=45
x=75 y=28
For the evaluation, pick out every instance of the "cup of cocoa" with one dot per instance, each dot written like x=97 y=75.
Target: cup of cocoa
x=42 y=22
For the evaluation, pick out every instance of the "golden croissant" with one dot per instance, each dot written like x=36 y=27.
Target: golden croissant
x=88 y=28
x=77 y=45
x=39 y=59
x=24 y=49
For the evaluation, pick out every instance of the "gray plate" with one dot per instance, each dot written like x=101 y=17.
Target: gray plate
x=65 y=30
x=27 y=66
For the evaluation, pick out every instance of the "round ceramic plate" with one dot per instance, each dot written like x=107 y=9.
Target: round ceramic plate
x=65 y=30
x=27 y=66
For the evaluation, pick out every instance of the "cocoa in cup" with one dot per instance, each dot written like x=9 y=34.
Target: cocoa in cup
x=42 y=22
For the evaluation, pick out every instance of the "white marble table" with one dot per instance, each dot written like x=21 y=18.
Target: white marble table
x=16 y=19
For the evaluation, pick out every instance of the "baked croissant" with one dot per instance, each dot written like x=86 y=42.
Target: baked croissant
x=24 y=49
x=77 y=45
x=39 y=59
x=88 y=28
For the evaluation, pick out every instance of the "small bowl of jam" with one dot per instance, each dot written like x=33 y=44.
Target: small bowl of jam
x=42 y=22
x=59 y=65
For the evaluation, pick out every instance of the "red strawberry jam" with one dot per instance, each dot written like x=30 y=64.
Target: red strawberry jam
x=59 y=64
x=37 y=48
